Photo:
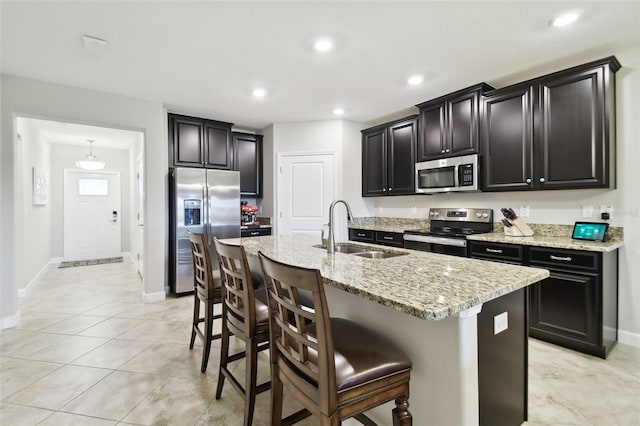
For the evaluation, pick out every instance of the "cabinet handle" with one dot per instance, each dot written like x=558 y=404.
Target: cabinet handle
x=384 y=189
x=390 y=189
x=387 y=238
x=566 y=258
x=528 y=180
x=490 y=250
x=254 y=233
x=442 y=151
x=360 y=235
x=447 y=150
x=541 y=179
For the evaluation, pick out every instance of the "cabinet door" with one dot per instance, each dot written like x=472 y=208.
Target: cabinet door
x=431 y=141
x=571 y=145
x=507 y=137
x=564 y=308
x=374 y=160
x=401 y=151
x=187 y=142
x=219 y=148
x=248 y=161
x=462 y=125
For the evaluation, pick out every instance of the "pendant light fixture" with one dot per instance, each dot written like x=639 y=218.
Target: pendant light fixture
x=91 y=162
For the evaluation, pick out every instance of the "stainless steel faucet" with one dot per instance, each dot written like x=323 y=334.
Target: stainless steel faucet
x=331 y=243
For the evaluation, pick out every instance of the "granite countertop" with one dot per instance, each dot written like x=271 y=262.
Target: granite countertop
x=387 y=224
x=560 y=242
x=425 y=285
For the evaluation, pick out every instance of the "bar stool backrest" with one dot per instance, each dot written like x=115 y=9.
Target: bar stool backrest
x=202 y=273
x=301 y=339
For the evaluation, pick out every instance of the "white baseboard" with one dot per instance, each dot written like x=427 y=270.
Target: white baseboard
x=127 y=254
x=23 y=291
x=154 y=297
x=8 y=322
x=629 y=338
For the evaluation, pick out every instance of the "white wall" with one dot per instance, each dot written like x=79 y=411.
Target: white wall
x=37 y=219
x=64 y=157
x=31 y=98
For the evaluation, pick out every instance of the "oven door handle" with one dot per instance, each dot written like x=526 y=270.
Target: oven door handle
x=455 y=242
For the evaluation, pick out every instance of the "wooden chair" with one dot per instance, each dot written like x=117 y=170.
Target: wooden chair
x=245 y=317
x=208 y=290
x=335 y=368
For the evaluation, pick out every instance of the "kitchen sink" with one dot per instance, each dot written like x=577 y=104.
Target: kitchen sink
x=364 y=251
x=374 y=254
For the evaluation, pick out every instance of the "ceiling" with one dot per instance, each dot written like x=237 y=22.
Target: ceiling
x=204 y=58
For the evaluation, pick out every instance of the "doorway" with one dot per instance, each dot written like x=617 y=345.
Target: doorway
x=306 y=188
x=92 y=215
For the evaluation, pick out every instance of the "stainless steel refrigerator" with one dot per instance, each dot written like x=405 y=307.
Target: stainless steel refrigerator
x=202 y=201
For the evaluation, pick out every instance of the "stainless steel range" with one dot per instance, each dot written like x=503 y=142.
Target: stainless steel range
x=448 y=231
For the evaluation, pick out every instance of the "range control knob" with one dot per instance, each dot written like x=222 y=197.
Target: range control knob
x=431 y=214
x=436 y=214
x=478 y=214
x=485 y=215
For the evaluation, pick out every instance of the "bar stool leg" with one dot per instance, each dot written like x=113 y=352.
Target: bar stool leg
x=401 y=414
x=251 y=360
x=196 y=319
x=224 y=358
x=276 y=396
x=208 y=328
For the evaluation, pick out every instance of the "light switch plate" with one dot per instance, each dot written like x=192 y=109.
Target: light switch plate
x=587 y=211
x=500 y=322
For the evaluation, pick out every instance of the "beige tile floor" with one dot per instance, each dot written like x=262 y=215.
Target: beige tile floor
x=87 y=351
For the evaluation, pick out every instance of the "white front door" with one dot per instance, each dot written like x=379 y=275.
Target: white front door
x=140 y=213
x=92 y=214
x=306 y=189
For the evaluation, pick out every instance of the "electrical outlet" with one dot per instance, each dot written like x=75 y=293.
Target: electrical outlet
x=607 y=209
x=524 y=211
x=414 y=209
x=587 y=211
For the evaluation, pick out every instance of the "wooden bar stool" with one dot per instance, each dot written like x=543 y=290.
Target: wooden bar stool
x=245 y=317
x=335 y=368
x=208 y=290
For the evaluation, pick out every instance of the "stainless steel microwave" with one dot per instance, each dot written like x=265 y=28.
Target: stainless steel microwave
x=453 y=174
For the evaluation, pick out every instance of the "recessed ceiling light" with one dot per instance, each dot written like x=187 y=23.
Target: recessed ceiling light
x=323 y=45
x=414 y=80
x=338 y=111
x=565 y=19
x=259 y=92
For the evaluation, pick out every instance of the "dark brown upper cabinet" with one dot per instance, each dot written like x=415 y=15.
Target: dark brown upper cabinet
x=198 y=142
x=388 y=158
x=247 y=150
x=553 y=132
x=449 y=125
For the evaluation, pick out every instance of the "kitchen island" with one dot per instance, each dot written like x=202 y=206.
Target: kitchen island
x=428 y=303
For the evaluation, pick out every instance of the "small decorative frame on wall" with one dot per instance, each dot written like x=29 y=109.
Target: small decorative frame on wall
x=40 y=187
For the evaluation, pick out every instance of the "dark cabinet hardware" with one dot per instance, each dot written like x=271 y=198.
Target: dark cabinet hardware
x=552 y=132
x=449 y=125
x=388 y=158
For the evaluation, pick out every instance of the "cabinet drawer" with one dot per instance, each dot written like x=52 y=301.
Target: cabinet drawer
x=389 y=238
x=363 y=235
x=507 y=253
x=255 y=232
x=563 y=259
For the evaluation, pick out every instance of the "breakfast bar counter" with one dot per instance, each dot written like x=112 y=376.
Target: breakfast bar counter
x=428 y=303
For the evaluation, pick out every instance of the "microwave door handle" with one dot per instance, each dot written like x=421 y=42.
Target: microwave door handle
x=456 y=176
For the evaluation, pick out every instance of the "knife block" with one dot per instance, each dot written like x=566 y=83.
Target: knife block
x=519 y=229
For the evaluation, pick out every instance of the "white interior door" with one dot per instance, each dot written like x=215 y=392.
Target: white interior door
x=306 y=190
x=140 y=213
x=92 y=214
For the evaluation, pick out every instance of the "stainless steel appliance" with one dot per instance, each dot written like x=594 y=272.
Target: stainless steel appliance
x=448 y=230
x=453 y=174
x=203 y=201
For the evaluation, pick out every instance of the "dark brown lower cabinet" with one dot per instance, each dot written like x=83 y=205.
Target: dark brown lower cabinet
x=503 y=359
x=577 y=306
x=393 y=239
